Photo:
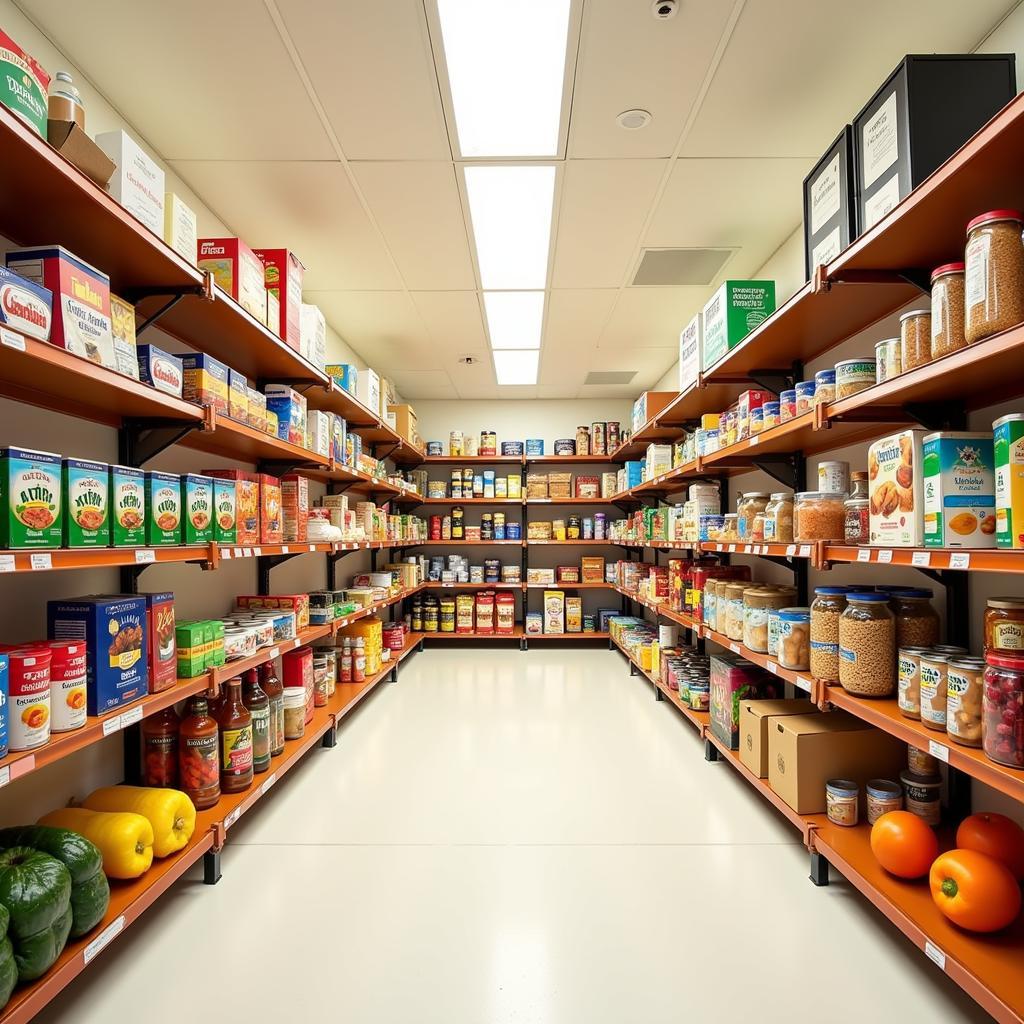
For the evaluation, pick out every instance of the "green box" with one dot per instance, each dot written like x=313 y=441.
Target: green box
x=197 y=508
x=214 y=643
x=86 y=496
x=163 y=508
x=30 y=493
x=127 y=506
x=225 y=511
x=732 y=313
x=190 y=638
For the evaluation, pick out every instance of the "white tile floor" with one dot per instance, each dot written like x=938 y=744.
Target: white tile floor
x=503 y=838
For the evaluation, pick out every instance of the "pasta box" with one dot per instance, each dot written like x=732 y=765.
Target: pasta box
x=86 y=498
x=163 y=508
x=127 y=506
x=81 y=322
x=283 y=274
x=247 y=502
x=25 y=307
x=225 y=511
x=122 y=328
x=30 y=492
x=237 y=271
x=205 y=381
x=114 y=631
x=161 y=370
x=23 y=85
x=238 y=396
x=163 y=668
x=197 y=505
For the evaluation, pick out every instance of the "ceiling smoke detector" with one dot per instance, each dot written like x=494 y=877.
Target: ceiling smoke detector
x=665 y=9
x=468 y=360
x=633 y=120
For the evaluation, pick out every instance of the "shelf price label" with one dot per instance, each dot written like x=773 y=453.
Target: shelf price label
x=935 y=954
x=247 y=552
x=805 y=550
x=131 y=717
x=275 y=652
x=12 y=340
x=864 y=555
x=755 y=440
x=921 y=559
x=40 y=560
x=885 y=555
x=5 y=776
x=268 y=784
x=790 y=550
x=7 y=563
x=258 y=552
x=735 y=648
x=732 y=547
x=145 y=556
x=772 y=666
x=960 y=560
x=111 y=725
x=939 y=751
x=284 y=549
x=232 y=817
x=225 y=553
x=104 y=939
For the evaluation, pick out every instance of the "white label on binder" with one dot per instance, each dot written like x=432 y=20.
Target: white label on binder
x=960 y=560
x=935 y=954
x=7 y=563
x=145 y=556
x=864 y=555
x=921 y=558
x=104 y=939
x=12 y=340
x=939 y=751
x=885 y=555
x=41 y=560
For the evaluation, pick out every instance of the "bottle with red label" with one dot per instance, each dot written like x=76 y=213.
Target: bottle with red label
x=160 y=735
x=235 y=739
x=271 y=686
x=358 y=661
x=198 y=754
x=258 y=705
x=345 y=673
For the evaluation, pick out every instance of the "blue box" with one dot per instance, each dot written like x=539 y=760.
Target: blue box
x=161 y=370
x=534 y=446
x=604 y=616
x=114 y=631
x=345 y=375
x=634 y=474
x=4 y=690
x=25 y=307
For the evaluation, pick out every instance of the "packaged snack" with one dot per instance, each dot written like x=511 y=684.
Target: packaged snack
x=86 y=499
x=283 y=277
x=160 y=639
x=959 y=490
x=290 y=408
x=237 y=271
x=190 y=649
x=205 y=381
x=197 y=506
x=896 y=512
x=25 y=306
x=295 y=507
x=161 y=370
x=554 y=611
x=238 y=396
x=247 y=502
x=127 y=506
x=257 y=409
x=225 y=511
x=23 y=85
x=271 y=524
x=574 y=615
x=122 y=329
x=30 y=495
x=163 y=508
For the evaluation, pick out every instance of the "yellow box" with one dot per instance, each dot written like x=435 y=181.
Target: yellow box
x=574 y=615
x=405 y=421
x=554 y=611
x=709 y=421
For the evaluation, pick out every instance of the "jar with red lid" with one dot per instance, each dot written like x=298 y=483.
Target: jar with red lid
x=1002 y=720
x=947 y=309
x=993 y=274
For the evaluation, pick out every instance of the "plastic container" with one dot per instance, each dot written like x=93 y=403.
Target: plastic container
x=804 y=397
x=908 y=664
x=934 y=690
x=818 y=515
x=730 y=612
x=917 y=622
x=730 y=528
x=1002 y=723
x=993 y=274
x=888 y=363
x=947 y=309
x=867 y=646
x=770 y=415
x=778 y=518
x=794 y=648
x=915 y=338
x=1004 y=624
x=856 y=522
x=824 y=387
x=842 y=797
x=294 y=712
x=787 y=405
x=828 y=605
x=834 y=477
x=922 y=795
x=853 y=375
x=966 y=684
x=756 y=606
x=748 y=506
x=883 y=796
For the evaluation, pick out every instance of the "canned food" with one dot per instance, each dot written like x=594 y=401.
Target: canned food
x=565 y=446
x=511 y=447
x=488 y=442
x=67 y=684
x=455 y=443
x=787 y=405
x=804 y=397
x=597 y=439
x=612 y=435
x=770 y=415
x=435 y=448
x=883 y=796
x=824 y=387
x=29 y=704
x=853 y=375
x=470 y=447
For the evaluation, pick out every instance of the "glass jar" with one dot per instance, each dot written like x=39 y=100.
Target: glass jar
x=856 y=525
x=730 y=527
x=794 y=643
x=909 y=692
x=934 y=690
x=818 y=515
x=824 y=387
x=320 y=696
x=828 y=605
x=732 y=610
x=854 y=375
x=271 y=686
x=966 y=681
x=709 y=605
x=757 y=528
x=198 y=765
x=235 y=740
x=947 y=309
x=160 y=749
x=842 y=797
x=858 y=484
x=756 y=604
x=922 y=795
x=867 y=646
x=917 y=622
x=1004 y=624
x=993 y=274
x=787 y=405
x=887 y=359
x=1002 y=723
x=915 y=338
x=748 y=506
x=778 y=518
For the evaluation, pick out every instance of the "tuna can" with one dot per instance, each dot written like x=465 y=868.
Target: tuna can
x=29 y=707
x=597 y=439
x=67 y=684
x=435 y=448
x=488 y=442
x=511 y=447
x=455 y=443
x=565 y=446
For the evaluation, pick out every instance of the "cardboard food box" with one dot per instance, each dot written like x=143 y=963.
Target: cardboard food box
x=238 y=396
x=271 y=523
x=896 y=491
x=574 y=615
x=197 y=508
x=536 y=485
x=588 y=487
x=137 y=183
x=122 y=329
x=405 y=420
x=273 y=310
x=388 y=396
x=225 y=511
x=805 y=751
x=321 y=432
x=959 y=490
x=313 y=334
x=283 y=273
x=257 y=409
x=205 y=381
x=237 y=271
x=77 y=148
x=567 y=574
x=540 y=577
x=830 y=204
x=559 y=485
x=290 y=408
x=127 y=506
x=247 y=502
x=295 y=507
x=23 y=84
x=30 y=495
x=114 y=631
x=181 y=232
x=368 y=390
x=345 y=375
x=732 y=313
x=554 y=611
x=163 y=508
x=25 y=307
x=689 y=354
x=86 y=500
x=734 y=679
x=161 y=370
x=592 y=569
x=755 y=720
x=648 y=405
x=160 y=637
x=81 y=321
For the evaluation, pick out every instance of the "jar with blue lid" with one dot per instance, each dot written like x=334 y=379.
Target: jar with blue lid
x=825 y=387
x=787 y=405
x=804 y=397
x=794 y=641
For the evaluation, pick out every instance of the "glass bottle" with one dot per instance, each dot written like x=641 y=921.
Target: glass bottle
x=160 y=749
x=235 y=739
x=271 y=686
x=258 y=705
x=198 y=764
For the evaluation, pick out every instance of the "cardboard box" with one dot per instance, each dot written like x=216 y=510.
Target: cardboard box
x=271 y=523
x=161 y=370
x=205 y=381
x=830 y=204
x=405 y=420
x=345 y=375
x=23 y=84
x=554 y=611
x=127 y=506
x=163 y=508
x=237 y=271
x=295 y=507
x=137 y=182
x=805 y=751
x=321 y=431
x=181 y=231
x=86 y=496
x=574 y=614
x=30 y=499
x=313 y=334
x=755 y=720
x=225 y=511
x=25 y=307
x=238 y=396
x=734 y=679
x=648 y=405
x=122 y=329
x=896 y=490
x=283 y=277
x=592 y=569
x=368 y=390
x=197 y=508
x=689 y=354
x=732 y=313
x=959 y=490
x=289 y=406
x=247 y=502
x=77 y=148
x=163 y=651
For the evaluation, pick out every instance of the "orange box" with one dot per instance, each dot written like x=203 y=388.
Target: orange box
x=271 y=521
x=592 y=569
x=247 y=503
x=295 y=507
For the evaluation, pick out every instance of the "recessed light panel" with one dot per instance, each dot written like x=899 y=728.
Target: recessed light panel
x=514 y=319
x=516 y=367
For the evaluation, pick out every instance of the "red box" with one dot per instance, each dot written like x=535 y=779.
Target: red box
x=237 y=271
x=271 y=515
x=163 y=653
x=568 y=573
x=295 y=507
x=485 y=611
x=505 y=612
x=297 y=672
x=283 y=273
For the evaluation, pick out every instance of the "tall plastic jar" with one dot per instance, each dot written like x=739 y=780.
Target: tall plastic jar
x=867 y=646
x=756 y=606
x=993 y=274
x=917 y=622
x=749 y=505
x=828 y=605
x=1002 y=709
x=778 y=518
x=947 y=309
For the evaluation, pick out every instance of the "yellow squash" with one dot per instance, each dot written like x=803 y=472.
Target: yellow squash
x=170 y=812
x=124 y=839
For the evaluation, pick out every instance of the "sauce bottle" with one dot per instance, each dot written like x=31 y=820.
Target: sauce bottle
x=160 y=749
x=358 y=661
x=235 y=740
x=198 y=765
x=271 y=686
x=346 y=661
x=258 y=705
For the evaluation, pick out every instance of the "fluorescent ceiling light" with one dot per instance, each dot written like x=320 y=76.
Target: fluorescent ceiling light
x=511 y=212
x=506 y=67
x=516 y=367
x=514 y=319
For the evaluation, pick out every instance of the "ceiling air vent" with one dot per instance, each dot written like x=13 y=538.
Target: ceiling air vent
x=673 y=267
x=610 y=376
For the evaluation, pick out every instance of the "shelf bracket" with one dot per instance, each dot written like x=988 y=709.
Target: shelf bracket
x=330 y=738
x=778 y=380
x=211 y=867
x=138 y=441
x=174 y=296
x=819 y=869
x=279 y=467
x=955 y=584
x=710 y=750
x=938 y=415
x=268 y=562
x=787 y=469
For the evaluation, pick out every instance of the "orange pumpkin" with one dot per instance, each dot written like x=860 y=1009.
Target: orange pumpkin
x=904 y=844
x=996 y=835
x=974 y=891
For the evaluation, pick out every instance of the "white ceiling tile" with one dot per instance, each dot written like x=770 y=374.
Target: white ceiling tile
x=383 y=327
x=310 y=207
x=199 y=80
x=425 y=384
x=649 y=318
x=417 y=207
x=576 y=317
x=596 y=237
x=629 y=59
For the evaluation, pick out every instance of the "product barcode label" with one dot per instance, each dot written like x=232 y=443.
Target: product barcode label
x=935 y=954
x=960 y=560
x=7 y=563
x=268 y=784
x=921 y=558
x=144 y=556
x=12 y=340
x=232 y=817
x=805 y=550
x=247 y=552
x=131 y=717
x=104 y=939
x=790 y=550
x=5 y=776
x=885 y=556
x=41 y=560
x=111 y=725
x=864 y=555
x=939 y=751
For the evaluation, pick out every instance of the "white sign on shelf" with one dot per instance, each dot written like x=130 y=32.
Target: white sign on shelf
x=772 y=666
x=805 y=550
x=5 y=776
x=284 y=549
x=790 y=550
x=12 y=339
x=921 y=558
x=225 y=553
x=732 y=547
x=145 y=556
x=7 y=563
x=232 y=817
x=247 y=552
x=268 y=783
x=885 y=555
x=735 y=648
x=111 y=725
x=864 y=555
x=939 y=751
x=258 y=552
x=754 y=440
x=935 y=954
x=41 y=560
x=131 y=716
x=960 y=560
x=104 y=939
x=275 y=652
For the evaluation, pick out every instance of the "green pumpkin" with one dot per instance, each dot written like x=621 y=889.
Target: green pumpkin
x=36 y=890
x=8 y=965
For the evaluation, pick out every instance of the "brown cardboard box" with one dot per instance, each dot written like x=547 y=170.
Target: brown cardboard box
x=592 y=569
x=805 y=751
x=405 y=420
x=755 y=716
x=77 y=148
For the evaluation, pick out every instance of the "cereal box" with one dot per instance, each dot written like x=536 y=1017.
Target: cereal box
x=895 y=490
x=321 y=432
x=127 y=506
x=86 y=501
x=295 y=507
x=30 y=493
x=23 y=84
x=271 y=522
x=574 y=615
x=160 y=638
x=163 y=508
x=114 y=631
x=283 y=277
x=734 y=679
x=689 y=354
x=257 y=409
x=731 y=314
x=180 y=230
x=225 y=511
x=238 y=396
x=290 y=408
x=237 y=271
x=554 y=611
x=197 y=508
x=161 y=370
x=206 y=381
x=1009 y=463
x=81 y=322
x=368 y=390
x=247 y=503
x=313 y=334
x=138 y=182
x=122 y=328
x=345 y=375
x=534 y=623
x=959 y=490
x=25 y=307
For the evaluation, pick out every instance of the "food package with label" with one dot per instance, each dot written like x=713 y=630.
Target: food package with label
x=30 y=496
x=247 y=502
x=23 y=85
x=731 y=314
x=290 y=408
x=283 y=273
x=313 y=335
x=345 y=375
x=86 y=501
x=180 y=230
x=295 y=507
x=163 y=508
x=238 y=396
x=554 y=611
x=592 y=569
x=959 y=490
x=206 y=381
x=271 y=522
x=122 y=329
x=321 y=432
x=161 y=370
x=25 y=306
x=574 y=615
x=137 y=183
x=237 y=271
x=895 y=490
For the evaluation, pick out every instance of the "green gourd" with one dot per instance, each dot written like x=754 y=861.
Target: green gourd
x=36 y=890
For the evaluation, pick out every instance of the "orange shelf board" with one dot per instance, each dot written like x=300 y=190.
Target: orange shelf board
x=235 y=440
x=652 y=432
x=242 y=665
x=463 y=543
x=473 y=460
x=581 y=460
x=987 y=967
x=435 y=585
x=567 y=636
x=657 y=545
x=569 y=501
x=516 y=634
x=331 y=398
x=570 y=543
x=775 y=550
x=885 y=714
x=95 y=558
x=667 y=483
x=570 y=586
x=469 y=501
x=704 y=396
x=974 y=559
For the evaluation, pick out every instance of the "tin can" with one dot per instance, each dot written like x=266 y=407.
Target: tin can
x=565 y=446
x=574 y=528
x=511 y=447
x=534 y=446
x=600 y=525
x=612 y=435
x=458 y=523
x=430 y=614
x=393 y=636
x=435 y=448
x=488 y=442
x=455 y=443
x=29 y=707
x=487 y=526
x=470 y=448
x=583 y=440
x=67 y=684
x=416 y=620
x=597 y=439
x=499 y=525
x=588 y=528
x=446 y=618
x=320 y=693
x=435 y=527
